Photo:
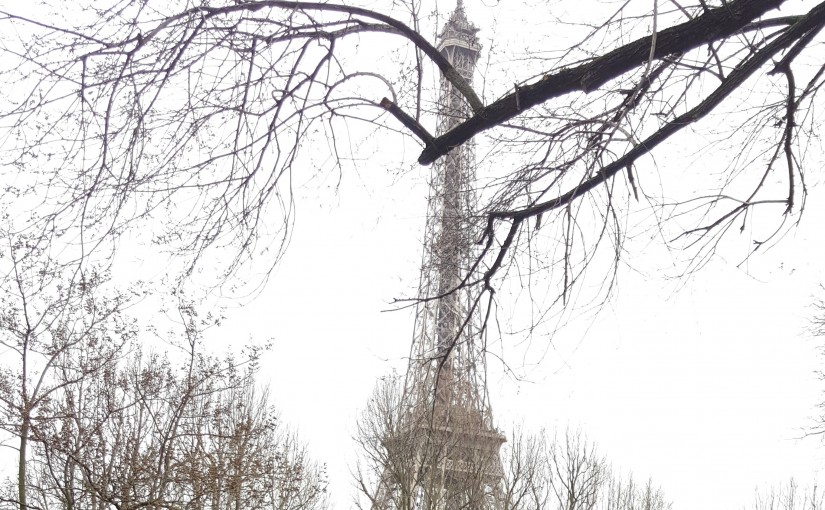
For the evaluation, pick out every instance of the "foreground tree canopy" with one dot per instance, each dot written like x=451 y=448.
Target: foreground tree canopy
x=200 y=117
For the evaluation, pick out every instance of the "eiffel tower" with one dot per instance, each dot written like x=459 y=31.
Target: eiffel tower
x=442 y=450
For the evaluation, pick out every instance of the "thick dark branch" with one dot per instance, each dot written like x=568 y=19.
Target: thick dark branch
x=712 y=26
x=814 y=20
x=781 y=21
x=409 y=122
x=794 y=52
x=790 y=115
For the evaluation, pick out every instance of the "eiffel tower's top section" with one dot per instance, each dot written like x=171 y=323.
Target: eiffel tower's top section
x=459 y=31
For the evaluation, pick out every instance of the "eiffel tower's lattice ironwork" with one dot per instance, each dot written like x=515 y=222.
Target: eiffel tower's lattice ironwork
x=442 y=448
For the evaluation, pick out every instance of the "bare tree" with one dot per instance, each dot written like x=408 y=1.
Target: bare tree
x=152 y=433
x=425 y=454
x=790 y=497
x=97 y=424
x=57 y=328
x=562 y=472
x=581 y=479
x=197 y=115
x=525 y=483
x=577 y=472
x=624 y=494
x=383 y=457
x=817 y=329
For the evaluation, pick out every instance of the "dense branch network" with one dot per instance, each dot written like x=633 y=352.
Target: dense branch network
x=206 y=118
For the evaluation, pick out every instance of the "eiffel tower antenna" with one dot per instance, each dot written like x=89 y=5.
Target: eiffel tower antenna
x=443 y=454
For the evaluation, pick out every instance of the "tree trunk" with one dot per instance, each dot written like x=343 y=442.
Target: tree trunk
x=21 y=462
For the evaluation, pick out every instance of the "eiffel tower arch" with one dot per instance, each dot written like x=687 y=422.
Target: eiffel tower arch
x=441 y=448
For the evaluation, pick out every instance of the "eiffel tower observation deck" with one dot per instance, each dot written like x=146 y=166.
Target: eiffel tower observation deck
x=443 y=451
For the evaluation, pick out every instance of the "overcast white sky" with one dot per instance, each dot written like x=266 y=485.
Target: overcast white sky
x=705 y=385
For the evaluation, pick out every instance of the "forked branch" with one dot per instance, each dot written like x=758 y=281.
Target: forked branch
x=714 y=25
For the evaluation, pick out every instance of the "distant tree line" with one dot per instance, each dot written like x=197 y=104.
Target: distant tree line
x=538 y=472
